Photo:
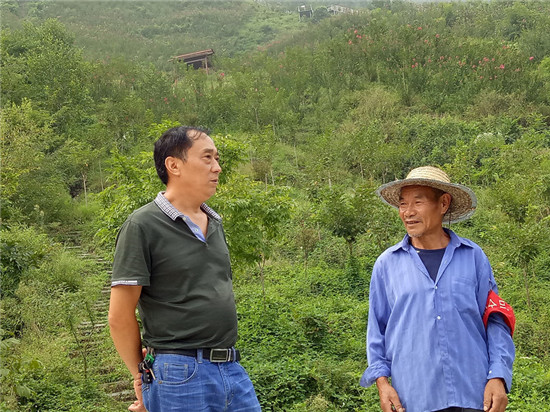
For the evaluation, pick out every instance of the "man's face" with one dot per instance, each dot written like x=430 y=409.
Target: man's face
x=421 y=211
x=201 y=169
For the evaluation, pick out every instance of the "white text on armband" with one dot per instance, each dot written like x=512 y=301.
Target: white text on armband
x=124 y=282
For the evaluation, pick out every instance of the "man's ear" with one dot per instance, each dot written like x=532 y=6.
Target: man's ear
x=445 y=201
x=173 y=166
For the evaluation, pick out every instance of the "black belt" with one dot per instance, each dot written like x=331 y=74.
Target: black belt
x=211 y=354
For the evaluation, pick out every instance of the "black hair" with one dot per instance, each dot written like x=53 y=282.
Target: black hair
x=437 y=192
x=175 y=142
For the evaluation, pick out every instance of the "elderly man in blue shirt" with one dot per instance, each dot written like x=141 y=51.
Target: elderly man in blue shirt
x=429 y=328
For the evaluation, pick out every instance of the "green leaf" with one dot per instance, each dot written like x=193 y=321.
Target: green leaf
x=23 y=391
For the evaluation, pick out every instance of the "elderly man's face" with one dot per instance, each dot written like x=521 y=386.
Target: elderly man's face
x=422 y=211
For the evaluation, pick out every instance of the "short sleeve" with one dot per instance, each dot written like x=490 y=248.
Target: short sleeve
x=132 y=261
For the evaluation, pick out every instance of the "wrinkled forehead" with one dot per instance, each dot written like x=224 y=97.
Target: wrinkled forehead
x=418 y=191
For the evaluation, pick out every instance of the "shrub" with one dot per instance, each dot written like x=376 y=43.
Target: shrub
x=21 y=248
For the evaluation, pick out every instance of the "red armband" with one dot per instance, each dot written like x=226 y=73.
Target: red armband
x=498 y=305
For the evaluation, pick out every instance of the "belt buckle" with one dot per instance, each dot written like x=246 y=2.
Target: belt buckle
x=220 y=355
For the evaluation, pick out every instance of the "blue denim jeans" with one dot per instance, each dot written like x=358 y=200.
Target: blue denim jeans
x=184 y=383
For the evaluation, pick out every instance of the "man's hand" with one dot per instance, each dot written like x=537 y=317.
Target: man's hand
x=495 y=398
x=389 y=400
x=137 y=406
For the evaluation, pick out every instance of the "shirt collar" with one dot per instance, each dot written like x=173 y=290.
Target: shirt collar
x=173 y=213
x=455 y=241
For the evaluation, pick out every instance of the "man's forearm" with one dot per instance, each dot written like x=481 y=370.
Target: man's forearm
x=127 y=340
x=501 y=350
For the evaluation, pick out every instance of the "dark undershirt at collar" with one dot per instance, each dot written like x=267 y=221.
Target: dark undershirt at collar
x=432 y=260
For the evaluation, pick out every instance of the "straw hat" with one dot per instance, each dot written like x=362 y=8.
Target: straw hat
x=463 y=202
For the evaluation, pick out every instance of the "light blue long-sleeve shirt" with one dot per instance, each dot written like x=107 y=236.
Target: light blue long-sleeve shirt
x=429 y=336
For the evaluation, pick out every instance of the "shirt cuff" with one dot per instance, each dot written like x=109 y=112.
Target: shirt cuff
x=499 y=370
x=373 y=372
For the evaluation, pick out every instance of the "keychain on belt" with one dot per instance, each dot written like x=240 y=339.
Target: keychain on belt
x=145 y=367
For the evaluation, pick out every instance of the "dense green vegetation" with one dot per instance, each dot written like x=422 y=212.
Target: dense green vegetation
x=155 y=31
x=308 y=125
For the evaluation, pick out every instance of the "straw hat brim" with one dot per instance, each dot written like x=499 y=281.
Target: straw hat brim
x=463 y=204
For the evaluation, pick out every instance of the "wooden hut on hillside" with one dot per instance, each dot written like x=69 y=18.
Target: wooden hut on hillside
x=198 y=59
x=305 y=12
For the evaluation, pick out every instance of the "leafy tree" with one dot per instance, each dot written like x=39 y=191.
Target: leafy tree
x=232 y=154
x=133 y=183
x=306 y=236
x=31 y=187
x=25 y=134
x=41 y=63
x=253 y=216
x=347 y=213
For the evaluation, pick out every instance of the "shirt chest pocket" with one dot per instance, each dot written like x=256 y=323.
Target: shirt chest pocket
x=464 y=293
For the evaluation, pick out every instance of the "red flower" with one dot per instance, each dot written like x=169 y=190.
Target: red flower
x=531 y=58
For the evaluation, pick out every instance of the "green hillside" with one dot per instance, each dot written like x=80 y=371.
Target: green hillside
x=157 y=30
x=308 y=125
